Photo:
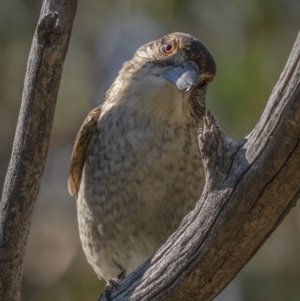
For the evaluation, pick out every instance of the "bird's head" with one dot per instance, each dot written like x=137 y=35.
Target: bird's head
x=167 y=79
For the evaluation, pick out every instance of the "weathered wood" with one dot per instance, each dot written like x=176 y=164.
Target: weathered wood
x=251 y=186
x=30 y=147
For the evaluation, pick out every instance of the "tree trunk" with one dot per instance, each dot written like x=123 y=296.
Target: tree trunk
x=251 y=185
x=23 y=179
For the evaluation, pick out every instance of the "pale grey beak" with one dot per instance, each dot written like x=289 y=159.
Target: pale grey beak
x=184 y=76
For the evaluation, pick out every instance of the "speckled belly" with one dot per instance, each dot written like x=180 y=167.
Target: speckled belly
x=134 y=193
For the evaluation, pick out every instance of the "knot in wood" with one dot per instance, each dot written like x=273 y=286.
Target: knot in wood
x=49 y=30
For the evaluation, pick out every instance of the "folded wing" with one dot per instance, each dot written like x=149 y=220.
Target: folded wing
x=80 y=147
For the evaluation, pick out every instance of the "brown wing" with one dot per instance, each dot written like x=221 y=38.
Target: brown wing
x=81 y=144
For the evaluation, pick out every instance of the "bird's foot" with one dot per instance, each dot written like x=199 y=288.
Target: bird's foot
x=110 y=286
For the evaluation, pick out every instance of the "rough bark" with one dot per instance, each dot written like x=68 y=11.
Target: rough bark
x=30 y=147
x=251 y=185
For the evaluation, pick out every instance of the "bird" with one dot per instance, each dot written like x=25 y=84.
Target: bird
x=136 y=168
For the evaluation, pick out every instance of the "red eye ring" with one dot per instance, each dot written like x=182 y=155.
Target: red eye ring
x=169 y=47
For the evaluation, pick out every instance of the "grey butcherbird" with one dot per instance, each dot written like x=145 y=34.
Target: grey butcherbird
x=136 y=168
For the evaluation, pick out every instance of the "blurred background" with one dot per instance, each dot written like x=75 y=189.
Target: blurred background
x=250 y=41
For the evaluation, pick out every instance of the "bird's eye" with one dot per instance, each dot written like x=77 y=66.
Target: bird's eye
x=168 y=48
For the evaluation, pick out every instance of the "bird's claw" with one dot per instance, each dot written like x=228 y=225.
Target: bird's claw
x=110 y=286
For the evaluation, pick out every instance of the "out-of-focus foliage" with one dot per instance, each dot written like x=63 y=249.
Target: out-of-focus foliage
x=250 y=41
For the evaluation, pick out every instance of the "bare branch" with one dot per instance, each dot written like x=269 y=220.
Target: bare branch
x=30 y=147
x=251 y=186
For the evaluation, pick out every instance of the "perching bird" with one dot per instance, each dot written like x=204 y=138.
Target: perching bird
x=136 y=167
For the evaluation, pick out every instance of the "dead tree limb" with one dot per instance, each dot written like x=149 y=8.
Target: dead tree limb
x=251 y=185
x=26 y=167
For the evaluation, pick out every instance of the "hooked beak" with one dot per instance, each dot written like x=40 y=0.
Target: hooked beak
x=184 y=76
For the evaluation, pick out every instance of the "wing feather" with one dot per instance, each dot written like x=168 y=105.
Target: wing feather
x=81 y=144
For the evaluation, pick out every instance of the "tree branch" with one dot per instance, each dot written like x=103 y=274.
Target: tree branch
x=251 y=185
x=30 y=147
